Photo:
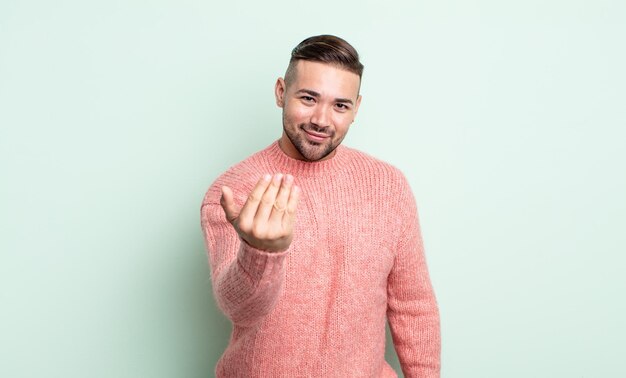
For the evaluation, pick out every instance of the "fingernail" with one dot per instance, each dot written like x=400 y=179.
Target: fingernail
x=289 y=179
x=267 y=177
x=278 y=177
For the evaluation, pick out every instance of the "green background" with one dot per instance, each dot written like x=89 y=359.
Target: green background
x=508 y=118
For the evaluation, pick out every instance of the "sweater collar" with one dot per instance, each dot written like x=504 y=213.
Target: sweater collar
x=286 y=164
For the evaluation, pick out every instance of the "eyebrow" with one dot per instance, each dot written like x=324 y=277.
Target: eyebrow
x=315 y=94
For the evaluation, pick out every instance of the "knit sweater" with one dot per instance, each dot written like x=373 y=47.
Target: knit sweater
x=318 y=309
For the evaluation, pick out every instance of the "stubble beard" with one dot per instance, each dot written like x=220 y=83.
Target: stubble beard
x=311 y=151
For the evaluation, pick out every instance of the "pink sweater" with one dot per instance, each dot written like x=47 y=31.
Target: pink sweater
x=318 y=309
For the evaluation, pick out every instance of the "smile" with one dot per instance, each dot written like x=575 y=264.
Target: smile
x=317 y=137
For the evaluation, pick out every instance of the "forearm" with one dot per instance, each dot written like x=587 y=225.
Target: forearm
x=416 y=335
x=413 y=312
x=248 y=288
x=247 y=282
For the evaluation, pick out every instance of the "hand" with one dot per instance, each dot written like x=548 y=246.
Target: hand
x=266 y=219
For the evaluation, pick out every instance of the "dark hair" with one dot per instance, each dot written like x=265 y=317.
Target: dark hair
x=325 y=49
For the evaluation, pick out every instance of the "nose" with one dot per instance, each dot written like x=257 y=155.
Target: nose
x=321 y=116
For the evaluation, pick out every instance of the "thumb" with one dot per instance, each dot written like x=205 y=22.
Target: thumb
x=228 y=204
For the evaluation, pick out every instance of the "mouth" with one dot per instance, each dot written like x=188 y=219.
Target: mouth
x=316 y=137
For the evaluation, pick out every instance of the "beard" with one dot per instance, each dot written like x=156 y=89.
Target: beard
x=311 y=151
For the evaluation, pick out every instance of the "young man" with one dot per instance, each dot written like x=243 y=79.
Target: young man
x=312 y=245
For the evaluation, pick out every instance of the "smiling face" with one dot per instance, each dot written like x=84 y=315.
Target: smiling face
x=319 y=104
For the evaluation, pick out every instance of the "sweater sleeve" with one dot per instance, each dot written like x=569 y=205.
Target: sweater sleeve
x=412 y=308
x=247 y=282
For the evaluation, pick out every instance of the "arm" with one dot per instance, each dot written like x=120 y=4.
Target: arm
x=412 y=309
x=247 y=248
x=246 y=281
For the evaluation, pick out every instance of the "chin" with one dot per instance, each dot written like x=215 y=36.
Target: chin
x=318 y=153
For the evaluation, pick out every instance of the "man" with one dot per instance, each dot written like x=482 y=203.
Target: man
x=313 y=244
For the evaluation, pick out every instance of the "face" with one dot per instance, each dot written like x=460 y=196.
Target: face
x=318 y=107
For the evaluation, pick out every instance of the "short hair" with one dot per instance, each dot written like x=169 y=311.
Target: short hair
x=327 y=49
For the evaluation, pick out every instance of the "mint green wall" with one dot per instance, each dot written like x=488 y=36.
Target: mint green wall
x=507 y=117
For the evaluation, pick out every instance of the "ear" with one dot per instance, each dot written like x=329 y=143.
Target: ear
x=279 y=92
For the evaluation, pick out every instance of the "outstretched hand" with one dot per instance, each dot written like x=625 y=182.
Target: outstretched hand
x=266 y=219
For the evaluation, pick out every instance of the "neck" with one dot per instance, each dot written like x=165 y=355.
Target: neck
x=284 y=163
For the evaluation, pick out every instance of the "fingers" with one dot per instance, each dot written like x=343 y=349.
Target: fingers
x=290 y=213
x=269 y=209
x=228 y=204
x=266 y=219
x=269 y=199
x=280 y=203
x=252 y=203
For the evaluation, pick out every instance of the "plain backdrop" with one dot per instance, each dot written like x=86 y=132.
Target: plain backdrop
x=507 y=117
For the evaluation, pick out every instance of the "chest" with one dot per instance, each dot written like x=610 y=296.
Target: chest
x=347 y=235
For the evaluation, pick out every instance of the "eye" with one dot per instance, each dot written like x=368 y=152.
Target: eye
x=307 y=98
x=342 y=106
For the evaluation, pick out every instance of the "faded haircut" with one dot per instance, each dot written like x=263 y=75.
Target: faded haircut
x=327 y=49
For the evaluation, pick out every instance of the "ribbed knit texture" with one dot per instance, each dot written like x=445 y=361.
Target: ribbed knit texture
x=318 y=309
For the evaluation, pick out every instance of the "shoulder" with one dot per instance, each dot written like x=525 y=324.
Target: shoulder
x=375 y=169
x=383 y=183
